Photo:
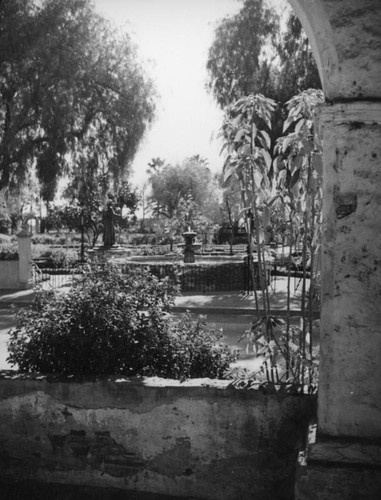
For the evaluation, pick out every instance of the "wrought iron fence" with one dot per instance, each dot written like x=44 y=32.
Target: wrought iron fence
x=199 y=277
x=53 y=277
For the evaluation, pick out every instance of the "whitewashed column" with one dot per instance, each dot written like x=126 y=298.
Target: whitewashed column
x=345 y=461
x=350 y=373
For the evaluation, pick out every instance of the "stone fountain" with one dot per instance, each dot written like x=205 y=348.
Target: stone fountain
x=189 y=246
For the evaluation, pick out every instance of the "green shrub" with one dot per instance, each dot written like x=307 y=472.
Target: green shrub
x=44 y=239
x=114 y=323
x=56 y=239
x=75 y=238
x=55 y=257
x=196 y=352
x=142 y=239
x=145 y=250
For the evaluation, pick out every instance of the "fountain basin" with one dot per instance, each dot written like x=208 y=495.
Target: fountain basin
x=178 y=259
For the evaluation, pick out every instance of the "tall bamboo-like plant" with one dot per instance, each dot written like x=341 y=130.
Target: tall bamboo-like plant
x=297 y=167
x=299 y=170
x=247 y=144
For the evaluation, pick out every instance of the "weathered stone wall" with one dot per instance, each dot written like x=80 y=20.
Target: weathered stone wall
x=181 y=440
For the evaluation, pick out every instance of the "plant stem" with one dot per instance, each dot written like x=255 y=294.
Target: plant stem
x=259 y=246
x=312 y=273
x=250 y=262
x=312 y=277
x=289 y=301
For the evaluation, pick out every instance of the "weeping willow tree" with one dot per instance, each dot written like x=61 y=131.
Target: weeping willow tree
x=72 y=89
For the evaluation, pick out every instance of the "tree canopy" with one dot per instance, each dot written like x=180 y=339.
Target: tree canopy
x=234 y=61
x=184 y=195
x=172 y=185
x=71 y=91
x=251 y=55
x=298 y=70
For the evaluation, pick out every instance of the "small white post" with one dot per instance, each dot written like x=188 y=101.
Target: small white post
x=25 y=259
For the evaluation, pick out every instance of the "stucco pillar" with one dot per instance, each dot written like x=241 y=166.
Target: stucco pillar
x=25 y=259
x=345 y=462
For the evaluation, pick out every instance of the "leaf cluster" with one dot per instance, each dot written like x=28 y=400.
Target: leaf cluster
x=298 y=163
x=247 y=144
x=284 y=362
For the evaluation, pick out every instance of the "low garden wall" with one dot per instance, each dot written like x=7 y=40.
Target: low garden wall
x=186 y=440
x=9 y=274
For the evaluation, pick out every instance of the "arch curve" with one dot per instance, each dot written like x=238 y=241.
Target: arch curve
x=345 y=37
x=317 y=27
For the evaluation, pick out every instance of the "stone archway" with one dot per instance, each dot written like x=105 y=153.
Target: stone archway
x=345 y=462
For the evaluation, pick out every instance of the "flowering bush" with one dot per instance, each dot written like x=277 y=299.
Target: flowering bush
x=9 y=250
x=55 y=257
x=114 y=323
x=8 y=247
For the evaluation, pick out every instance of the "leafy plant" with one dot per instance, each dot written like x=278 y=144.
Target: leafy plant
x=285 y=363
x=299 y=176
x=248 y=160
x=196 y=351
x=114 y=323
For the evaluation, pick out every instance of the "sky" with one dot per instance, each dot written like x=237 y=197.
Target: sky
x=173 y=38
